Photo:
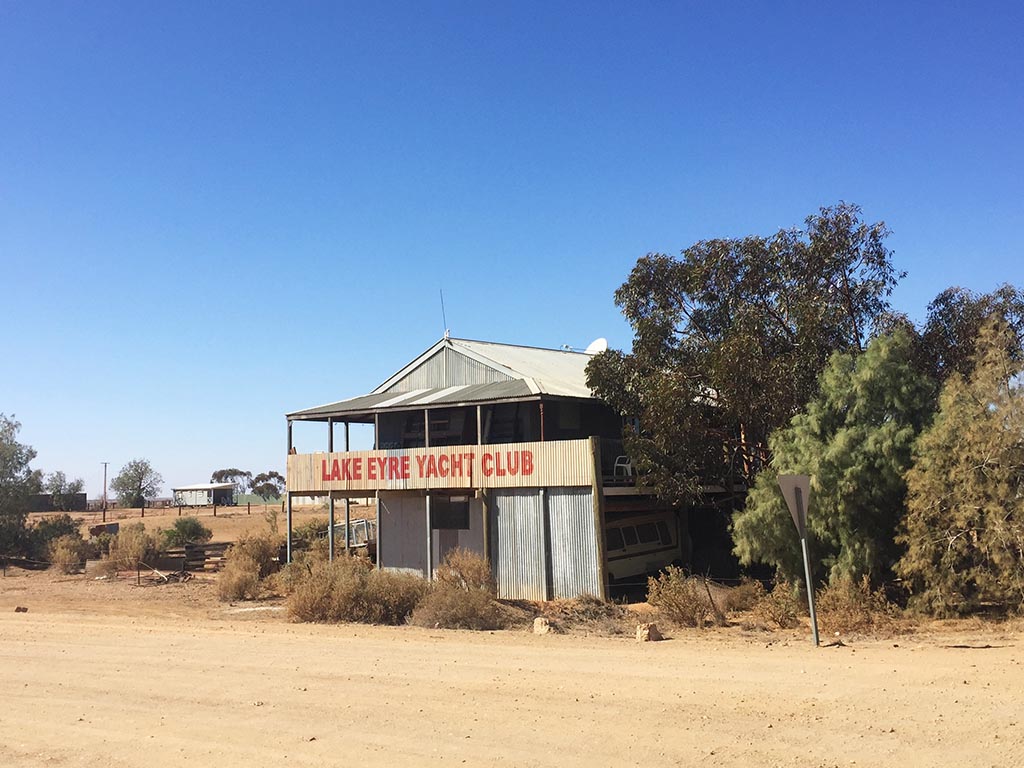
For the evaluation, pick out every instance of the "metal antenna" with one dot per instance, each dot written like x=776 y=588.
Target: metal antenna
x=444 y=320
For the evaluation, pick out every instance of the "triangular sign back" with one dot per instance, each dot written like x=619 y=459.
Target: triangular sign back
x=797 y=491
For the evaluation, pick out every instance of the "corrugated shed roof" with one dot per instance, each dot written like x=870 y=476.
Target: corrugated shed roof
x=532 y=372
x=503 y=390
x=204 y=487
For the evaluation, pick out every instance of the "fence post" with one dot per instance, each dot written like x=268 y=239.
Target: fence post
x=179 y=510
x=248 y=507
x=143 y=506
x=214 y=510
x=138 y=574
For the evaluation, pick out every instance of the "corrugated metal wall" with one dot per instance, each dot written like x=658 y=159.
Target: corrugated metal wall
x=403 y=531
x=447 y=368
x=575 y=566
x=519 y=555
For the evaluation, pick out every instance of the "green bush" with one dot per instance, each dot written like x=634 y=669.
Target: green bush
x=679 y=598
x=349 y=589
x=186 y=530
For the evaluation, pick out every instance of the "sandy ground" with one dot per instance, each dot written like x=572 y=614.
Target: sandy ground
x=101 y=673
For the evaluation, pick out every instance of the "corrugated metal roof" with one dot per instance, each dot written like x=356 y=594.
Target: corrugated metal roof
x=531 y=372
x=367 y=404
x=548 y=371
x=204 y=487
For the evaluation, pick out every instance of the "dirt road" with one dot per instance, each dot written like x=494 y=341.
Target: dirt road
x=132 y=682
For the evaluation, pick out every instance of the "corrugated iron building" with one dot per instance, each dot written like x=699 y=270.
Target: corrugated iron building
x=497 y=448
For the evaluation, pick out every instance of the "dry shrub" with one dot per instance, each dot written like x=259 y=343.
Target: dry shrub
x=349 y=589
x=448 y=607
x=680 y=599
x=240 y=579
x=261 y=548
x=249 y=561
x=779 y=607
x=68 y=553
x=744 y=596
x=131 y=546
x=590 y=614
x=848 y=606
x=466 y=570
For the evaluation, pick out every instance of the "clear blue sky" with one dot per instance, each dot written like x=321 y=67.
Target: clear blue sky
x=215 y=213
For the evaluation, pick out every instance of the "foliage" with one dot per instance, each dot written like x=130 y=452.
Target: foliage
x=730 y=339
x=780 y=607
x=241 y=479
x=855 y=440
x=964 y=527
x=48 y=529
x=955 y=320
x=17 y=483
x=268 y=485
x=135 y=483
x=62 y=490
x=349 y=589
x=131 y=546
x=853 y=606
x=680 y=598
x=68 y=553
x=186 y=530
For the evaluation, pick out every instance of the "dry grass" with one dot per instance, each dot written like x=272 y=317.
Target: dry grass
x=249 y=562
x=68 y=553
x=681 y=599
x=853 y=607
x=349 y=589
x=446 y=607
x=589 y=615
x=778 y=608
x=132 y=545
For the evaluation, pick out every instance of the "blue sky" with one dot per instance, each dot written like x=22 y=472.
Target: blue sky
x=212 y=214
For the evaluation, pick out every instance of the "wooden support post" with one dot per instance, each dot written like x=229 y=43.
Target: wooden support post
x=248 y=507
x=214 y=510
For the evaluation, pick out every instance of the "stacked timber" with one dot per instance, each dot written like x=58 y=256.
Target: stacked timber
x=208 y=557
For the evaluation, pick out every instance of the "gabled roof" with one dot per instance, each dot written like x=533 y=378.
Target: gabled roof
x=546 y=371
x=462 y=372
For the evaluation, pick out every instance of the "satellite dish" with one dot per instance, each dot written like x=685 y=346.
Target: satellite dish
x=596 y=346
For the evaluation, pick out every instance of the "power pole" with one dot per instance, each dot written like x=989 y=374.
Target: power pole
x=104 y=463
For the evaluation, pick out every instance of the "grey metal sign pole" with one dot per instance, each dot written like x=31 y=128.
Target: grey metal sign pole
x=797 y=489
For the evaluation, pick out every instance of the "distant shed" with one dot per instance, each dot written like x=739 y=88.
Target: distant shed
x=204 y=495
